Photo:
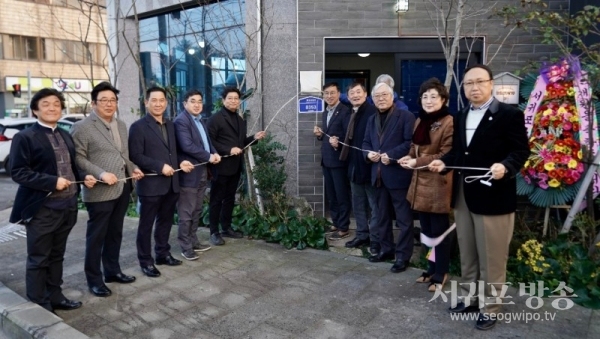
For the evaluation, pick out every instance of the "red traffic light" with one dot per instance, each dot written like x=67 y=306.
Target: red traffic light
x=16 y=90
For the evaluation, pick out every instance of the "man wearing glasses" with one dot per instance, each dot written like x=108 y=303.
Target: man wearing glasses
x=193 y=144
x=487 y=134
x=388 y=136
x=335 y=171
x=102 y=156
x=227 y=131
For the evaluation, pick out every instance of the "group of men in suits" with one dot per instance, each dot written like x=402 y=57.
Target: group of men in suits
x=49 y=164
x=375 y=182
x=488 y=135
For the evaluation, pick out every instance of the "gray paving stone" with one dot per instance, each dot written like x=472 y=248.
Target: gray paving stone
x=253 y=289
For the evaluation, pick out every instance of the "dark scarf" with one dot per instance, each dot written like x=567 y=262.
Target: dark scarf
x=382 y=123
x=350 y=132
x=421 y=134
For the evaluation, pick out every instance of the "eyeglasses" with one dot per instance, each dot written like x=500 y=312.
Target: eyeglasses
x=432 y=98
x=382 y=96
x=192 y=102
x=470 y=84
x=108 y=101
x=232 y=99
x=329 y=94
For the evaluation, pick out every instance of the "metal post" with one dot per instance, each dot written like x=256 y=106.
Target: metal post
x=587 y=180
x=29 y=113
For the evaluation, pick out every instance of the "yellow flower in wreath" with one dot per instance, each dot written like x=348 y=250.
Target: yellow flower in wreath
x=549 y=166
x=572 y=163
x=554 y=183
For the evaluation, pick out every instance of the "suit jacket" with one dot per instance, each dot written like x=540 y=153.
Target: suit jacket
x=150 y=152
x=228 y=130
x=359 y=171
x=501 y=137
x=190 y=147
x=96 y=153
x=33 y=167
x=395 y=141
x=330 y=157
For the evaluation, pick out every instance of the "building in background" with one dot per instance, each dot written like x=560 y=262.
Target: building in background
x=265 y=45
x=61 y=43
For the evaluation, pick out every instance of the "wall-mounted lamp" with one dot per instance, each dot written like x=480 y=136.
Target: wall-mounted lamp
x=364 y=55
x=401 y=6
x=191 y=51
x=201 y=43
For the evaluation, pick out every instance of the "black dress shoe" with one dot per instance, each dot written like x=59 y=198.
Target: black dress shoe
x=355 y=243
x=462 y=308
x=229 y=233
x=374 y=248
x=381 y=257
x=151 y=271
x=485 y=322
x=100 y=291
x=67 y=305
x=399 y=266
x=168 y=260
x=121 y=278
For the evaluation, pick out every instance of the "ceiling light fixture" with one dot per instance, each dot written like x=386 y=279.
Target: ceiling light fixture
x=364 y=55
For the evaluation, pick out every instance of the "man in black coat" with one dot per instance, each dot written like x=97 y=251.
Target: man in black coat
x=227 y=131
x=488 y=134
x=335 y=171
x=152 y=147
x=364 y=199
x=42 y=159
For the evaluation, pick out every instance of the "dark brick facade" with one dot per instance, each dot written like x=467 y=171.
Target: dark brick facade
x=318 y=19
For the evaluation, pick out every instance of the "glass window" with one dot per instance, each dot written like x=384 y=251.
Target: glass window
x=31 y=48
x=18 y=47
x=1 y=54
x=202 y=47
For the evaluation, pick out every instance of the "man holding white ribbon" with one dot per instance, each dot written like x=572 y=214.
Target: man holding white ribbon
x=488 y=134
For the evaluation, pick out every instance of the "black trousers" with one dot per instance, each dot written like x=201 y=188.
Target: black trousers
x=47 y=234
x=103 y=237
x=388 y=200
x=337 y=192
x=222 y=199
x=433 y=225
x=157 y=211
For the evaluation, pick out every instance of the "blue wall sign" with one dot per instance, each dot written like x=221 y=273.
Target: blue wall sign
x=310 y=105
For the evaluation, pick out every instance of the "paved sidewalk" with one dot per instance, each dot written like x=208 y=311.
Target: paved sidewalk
x=251 y=289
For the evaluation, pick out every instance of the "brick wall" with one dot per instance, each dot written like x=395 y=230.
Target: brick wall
x=376 y=18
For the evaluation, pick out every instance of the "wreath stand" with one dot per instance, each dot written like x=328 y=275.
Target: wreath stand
x=547 y=215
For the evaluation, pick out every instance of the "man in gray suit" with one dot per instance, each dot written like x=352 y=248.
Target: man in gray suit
x=102 y=156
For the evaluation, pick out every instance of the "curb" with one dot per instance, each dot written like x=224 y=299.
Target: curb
x=22 y=319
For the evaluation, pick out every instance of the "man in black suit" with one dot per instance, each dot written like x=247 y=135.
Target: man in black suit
x=152 y=147
x=488 y=134
x=388 y=136
x=227 y=131
x=337 y=185
x=42 y=159
x=193 y=144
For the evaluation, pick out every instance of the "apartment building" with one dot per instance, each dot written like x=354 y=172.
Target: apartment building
x=51 y=43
